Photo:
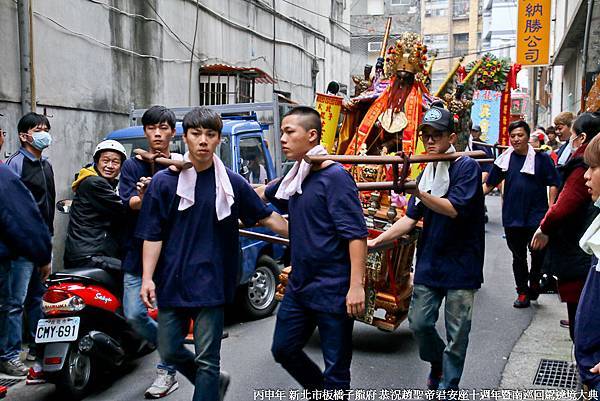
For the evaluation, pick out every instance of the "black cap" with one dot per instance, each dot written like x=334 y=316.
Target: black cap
x=476 y=128
x=439 y=119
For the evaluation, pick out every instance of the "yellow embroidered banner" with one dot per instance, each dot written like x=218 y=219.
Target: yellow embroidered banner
x=329 y=107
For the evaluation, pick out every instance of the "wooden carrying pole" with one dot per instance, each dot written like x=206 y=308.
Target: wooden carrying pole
x=150 y=157
x=358 y=159
x=448 y=78
x=264 y=237
x=388 y=26
x=473 y=71
x=503 y=147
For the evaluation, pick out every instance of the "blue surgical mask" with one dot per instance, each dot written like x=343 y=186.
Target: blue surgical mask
x=41 y=140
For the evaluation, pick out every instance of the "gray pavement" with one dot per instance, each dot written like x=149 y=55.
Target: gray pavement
x=504 y=351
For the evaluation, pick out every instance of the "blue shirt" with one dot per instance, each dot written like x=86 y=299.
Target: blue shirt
x=587 y=328
x=322 y=220
x=450 y=252
x=23 y=232
x=199 y=261
x=132 y=170
x=525 y=196
x=485 y=167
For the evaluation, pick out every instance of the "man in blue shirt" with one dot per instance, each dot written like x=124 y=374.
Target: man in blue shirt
x=450 y=251
x=189 y=224
x=23 y=233
x=328 y=250
x=159 y=129
x=35 y=171
x=527 y=176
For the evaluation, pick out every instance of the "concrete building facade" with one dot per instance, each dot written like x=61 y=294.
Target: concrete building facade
x=368 y=19
x=568 y=36
x=453 y=29
x=95 y=60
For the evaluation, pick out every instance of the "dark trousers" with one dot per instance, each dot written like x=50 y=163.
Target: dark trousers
x=294 y=327
x=202 y=367
x=572 y=312
x=518 y=240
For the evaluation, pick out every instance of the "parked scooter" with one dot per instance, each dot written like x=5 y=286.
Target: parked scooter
x=84 y=332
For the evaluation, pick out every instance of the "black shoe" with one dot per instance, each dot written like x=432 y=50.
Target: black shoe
x=224 y=379
x=522 y=301
x=534 y=292
x=434 y=378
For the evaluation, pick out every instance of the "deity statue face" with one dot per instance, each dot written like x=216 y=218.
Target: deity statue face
x=405 y=78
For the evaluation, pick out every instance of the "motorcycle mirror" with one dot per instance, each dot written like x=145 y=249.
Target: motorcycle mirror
x=64 y=206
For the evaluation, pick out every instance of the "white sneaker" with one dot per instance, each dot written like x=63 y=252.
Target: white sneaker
x=13 y=367
x=163 y=385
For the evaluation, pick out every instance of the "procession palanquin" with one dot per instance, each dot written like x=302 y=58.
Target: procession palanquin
x=379 y=144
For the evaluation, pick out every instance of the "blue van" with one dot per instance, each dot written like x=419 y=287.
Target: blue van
x=244 y=150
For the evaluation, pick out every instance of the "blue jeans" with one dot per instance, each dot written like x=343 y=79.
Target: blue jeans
x=24 y=291
x=423 y=315
x=137 y=314
x=295 y=325
x=203 y=367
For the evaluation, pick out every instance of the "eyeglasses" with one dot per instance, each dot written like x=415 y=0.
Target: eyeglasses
x=434 y=137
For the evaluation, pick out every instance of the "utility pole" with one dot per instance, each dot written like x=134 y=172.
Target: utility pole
x=25 y=19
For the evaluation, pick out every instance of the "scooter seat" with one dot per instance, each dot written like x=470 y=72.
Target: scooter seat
x=94 y=275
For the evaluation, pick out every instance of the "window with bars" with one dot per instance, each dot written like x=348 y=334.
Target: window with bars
x=374 y=47
x=436 y=42
x=212 y=93
x=375 y=7
x=461 y=44
x=436 y=8
x=460 y=9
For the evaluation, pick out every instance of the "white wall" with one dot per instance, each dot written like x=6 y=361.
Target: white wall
x=93 y=62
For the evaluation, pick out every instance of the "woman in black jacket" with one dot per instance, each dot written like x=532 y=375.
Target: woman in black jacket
x=97 y=213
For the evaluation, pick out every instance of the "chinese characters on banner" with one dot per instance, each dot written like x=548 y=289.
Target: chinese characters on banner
x=505 y=109
x=329 y=107
x=533 y=32
x=486 y=113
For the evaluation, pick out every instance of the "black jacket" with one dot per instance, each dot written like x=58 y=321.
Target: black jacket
x=38 y=177
x=564 y=257
x=96 y=222
x=22 y=230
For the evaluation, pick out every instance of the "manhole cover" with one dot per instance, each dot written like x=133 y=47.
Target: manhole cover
x=9 y=382
x=553 y=373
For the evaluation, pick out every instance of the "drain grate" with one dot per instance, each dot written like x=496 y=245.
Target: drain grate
x=9 y=382
x=553 y=373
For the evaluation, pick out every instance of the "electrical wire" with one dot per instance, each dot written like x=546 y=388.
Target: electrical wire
x=476 y=52
x=148 y=56
x=121 y=49
x=329 y=18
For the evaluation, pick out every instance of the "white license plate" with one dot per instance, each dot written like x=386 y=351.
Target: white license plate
x=57 y=330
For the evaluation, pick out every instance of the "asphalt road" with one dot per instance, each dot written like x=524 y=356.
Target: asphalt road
x=381 y=360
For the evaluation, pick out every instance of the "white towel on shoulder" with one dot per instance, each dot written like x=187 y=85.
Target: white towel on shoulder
x=436 y=178
x=292 y=182
x=590 y=241
x=564 y=156
x=186 y=188
x=503 y=160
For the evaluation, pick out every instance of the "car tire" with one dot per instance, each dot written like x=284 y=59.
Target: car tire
x=258 y=295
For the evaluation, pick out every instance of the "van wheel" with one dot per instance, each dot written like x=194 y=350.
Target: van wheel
x=258 y=295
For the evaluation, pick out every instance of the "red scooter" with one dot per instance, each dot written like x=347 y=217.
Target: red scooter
x=85 y=333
